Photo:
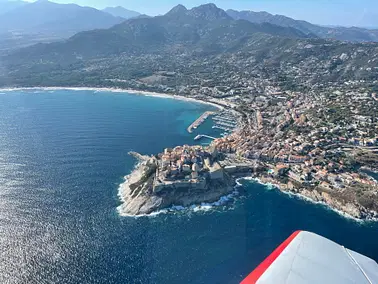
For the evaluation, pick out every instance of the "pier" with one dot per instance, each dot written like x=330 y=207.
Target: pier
x=199 y=121
x=226 y=121
x=223 y=128
x=198 y=137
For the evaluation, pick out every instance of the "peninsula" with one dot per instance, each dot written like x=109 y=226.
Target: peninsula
x=283 y=139
x=307 y=105
x=181 y=176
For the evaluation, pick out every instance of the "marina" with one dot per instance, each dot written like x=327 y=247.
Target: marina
x=198 y=137
x=199 y=121
x=226 y=121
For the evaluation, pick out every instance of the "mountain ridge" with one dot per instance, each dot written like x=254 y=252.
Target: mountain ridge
x=122 y=12
x=142 y=47
x=6 y=6
x=339 y=33
x=45 y=16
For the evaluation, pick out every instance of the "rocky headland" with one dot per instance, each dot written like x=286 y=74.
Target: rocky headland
x=143 y=192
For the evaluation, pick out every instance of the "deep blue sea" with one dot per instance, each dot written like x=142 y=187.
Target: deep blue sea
x=63 y=155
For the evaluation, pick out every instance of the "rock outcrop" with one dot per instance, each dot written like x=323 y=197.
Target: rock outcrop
x=350 y=207
x=140 y=196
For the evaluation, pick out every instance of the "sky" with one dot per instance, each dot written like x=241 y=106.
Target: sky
x=324 y=12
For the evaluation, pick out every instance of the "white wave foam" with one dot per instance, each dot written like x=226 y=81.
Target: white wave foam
x=326 y=206
x=194 y=208
x=268 y=185
x=208 y=206
x=203 y=207
x=153 y=214
x=272 y=186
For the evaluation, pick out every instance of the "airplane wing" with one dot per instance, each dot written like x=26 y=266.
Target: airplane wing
x=309 y=258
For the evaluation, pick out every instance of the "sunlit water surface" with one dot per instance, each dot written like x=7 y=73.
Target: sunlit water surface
x=63 y=155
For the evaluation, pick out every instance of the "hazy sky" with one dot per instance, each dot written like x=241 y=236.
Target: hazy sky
x=324 y=12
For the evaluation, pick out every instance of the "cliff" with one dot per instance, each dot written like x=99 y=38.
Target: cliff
x=142 y=192
x=346 y=203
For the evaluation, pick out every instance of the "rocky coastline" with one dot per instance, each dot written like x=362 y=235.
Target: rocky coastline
x=141 y=201
x=324 y=170
x=140 y=196
x=348 y=208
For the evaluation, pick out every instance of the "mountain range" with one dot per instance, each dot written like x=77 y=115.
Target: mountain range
x=206 y=29
x=144 y=44
x=48 y=17
x=338 y=33
x=63 y=20
x=198 y=44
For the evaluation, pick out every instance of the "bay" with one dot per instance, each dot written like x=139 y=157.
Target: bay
x=63 y=155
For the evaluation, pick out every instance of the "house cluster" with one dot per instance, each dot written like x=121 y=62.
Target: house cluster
x=189 y=163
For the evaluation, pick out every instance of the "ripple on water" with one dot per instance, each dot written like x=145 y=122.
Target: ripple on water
x=62 y=158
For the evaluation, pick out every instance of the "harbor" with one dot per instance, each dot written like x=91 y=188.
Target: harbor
x=226 y=121
x=198 y=137
x=200 y=120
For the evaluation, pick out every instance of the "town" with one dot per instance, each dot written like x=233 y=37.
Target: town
x=313 y=143
x=297 y=112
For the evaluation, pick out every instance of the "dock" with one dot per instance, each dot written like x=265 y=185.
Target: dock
x=199 y=120
x=226 y=121
x=198 y=137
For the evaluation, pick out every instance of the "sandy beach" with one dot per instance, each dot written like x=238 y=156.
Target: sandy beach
x=117 y=90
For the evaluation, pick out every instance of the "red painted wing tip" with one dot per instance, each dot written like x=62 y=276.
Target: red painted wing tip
x=263 y=266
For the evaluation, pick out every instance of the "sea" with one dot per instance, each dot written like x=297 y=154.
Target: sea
x=63 y=155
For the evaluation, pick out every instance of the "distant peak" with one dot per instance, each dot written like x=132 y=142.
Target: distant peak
x=178 y=9
x=209 y=11
x=209 y=6
x=44 y=3
x=122 y=12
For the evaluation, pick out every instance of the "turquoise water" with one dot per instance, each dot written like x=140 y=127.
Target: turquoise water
x=63 y=155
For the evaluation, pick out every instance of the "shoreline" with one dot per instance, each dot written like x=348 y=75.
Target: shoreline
x=230 y=197
x=139 y=198
x=117 y=90
x=202 y=207
x=194 y=100
x=308 y=199
x=235 y=195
